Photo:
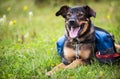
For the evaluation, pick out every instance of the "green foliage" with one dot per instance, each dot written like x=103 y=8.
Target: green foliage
x=28 y=34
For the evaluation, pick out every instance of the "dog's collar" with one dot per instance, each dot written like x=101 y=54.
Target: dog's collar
x=86 y=41
x=75 y=41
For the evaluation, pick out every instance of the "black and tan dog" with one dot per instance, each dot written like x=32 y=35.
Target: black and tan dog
x=79 y=45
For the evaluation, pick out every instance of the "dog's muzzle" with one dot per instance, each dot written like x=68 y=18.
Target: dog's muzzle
x=73 y=28
x=72 y=23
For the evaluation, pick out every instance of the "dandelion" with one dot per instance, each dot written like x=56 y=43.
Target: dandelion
x=9 y=9
x=13 y=22
x=54 y=39
x=52 y=65
x=25 y=8
x=101 y=74
x=108 y=16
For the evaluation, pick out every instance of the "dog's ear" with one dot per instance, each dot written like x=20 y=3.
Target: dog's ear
x=63 y=11
x=90 y=12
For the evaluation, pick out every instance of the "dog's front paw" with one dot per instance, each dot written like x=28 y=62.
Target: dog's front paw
x=49 y=73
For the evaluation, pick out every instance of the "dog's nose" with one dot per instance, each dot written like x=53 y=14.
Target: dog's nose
x=72 y=21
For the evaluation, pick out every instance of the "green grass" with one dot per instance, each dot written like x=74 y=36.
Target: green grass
x=27 y=48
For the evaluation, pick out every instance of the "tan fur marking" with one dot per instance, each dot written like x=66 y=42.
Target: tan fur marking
x=69 y=54
x=117 y=46
x=85 y=28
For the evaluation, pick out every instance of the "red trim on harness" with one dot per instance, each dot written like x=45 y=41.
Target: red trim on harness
x=106 y=56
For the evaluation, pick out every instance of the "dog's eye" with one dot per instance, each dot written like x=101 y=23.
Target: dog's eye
x=80 y=15
x=68 y=14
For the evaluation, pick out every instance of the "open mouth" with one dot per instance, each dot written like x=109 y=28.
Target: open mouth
x=73 y=32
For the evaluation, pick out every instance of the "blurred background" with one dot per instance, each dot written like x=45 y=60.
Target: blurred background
x=19 y=19
x=29 y=30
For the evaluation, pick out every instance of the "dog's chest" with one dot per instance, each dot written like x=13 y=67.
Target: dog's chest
x=71 y=51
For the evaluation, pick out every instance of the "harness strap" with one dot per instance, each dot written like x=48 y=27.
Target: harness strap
x=77 y=51
x=107 y=56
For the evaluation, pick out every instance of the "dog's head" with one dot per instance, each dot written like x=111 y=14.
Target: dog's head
x=77 y=19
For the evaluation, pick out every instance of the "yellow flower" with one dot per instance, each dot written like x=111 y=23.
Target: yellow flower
x=108 y=16
x=13 y=22
x=9 y=9
x=25 y=8
x=52 y=65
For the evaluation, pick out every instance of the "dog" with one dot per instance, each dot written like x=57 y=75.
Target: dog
x=79 y=47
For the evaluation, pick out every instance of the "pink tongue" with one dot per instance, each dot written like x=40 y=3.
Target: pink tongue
x=73 y=32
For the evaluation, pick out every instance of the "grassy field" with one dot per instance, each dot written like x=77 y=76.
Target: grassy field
x=28 y=34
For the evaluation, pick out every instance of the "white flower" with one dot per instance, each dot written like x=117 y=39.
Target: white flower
x=26 y=35
x=3 y=19
x=30 y=13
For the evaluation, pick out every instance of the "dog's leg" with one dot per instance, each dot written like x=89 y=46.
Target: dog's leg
x=117 y=46
x=56 y=68
x=75 y=63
